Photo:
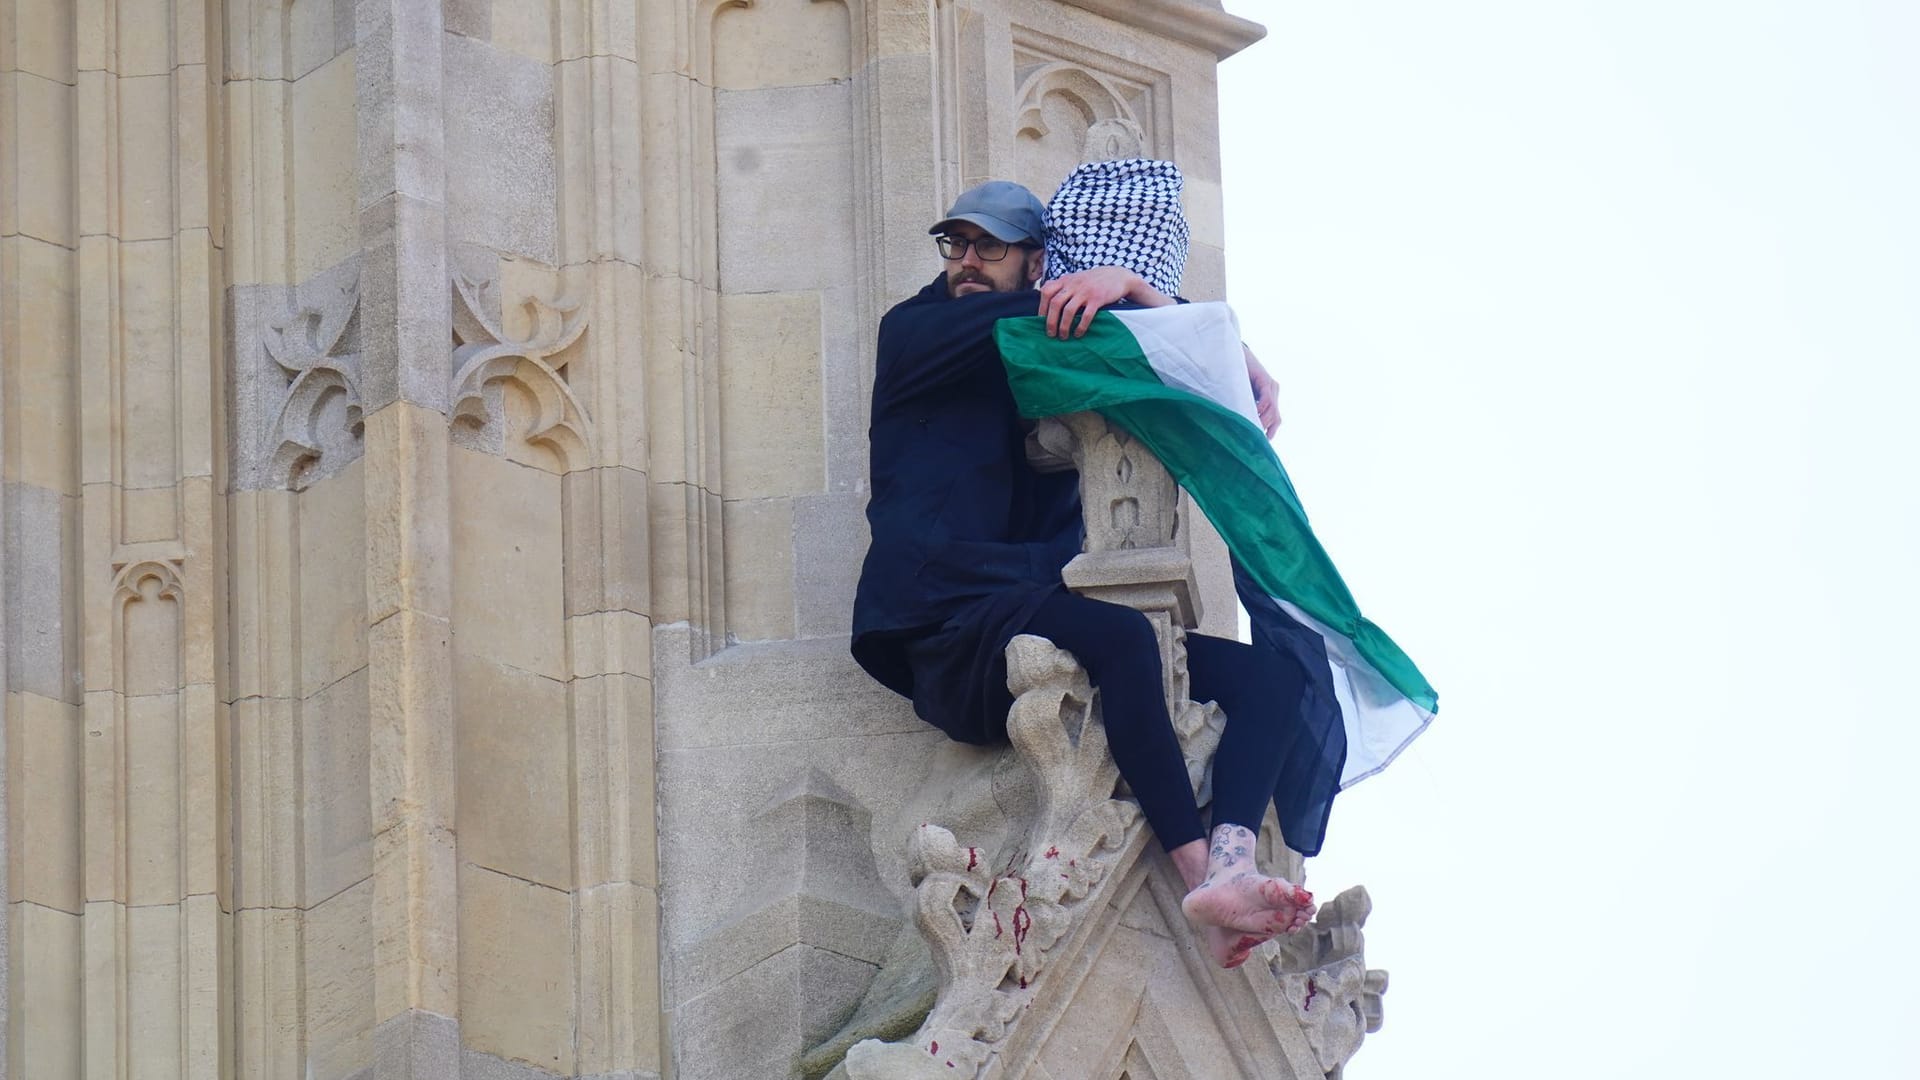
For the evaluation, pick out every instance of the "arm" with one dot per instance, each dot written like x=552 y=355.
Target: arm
x=1068 y=303
x=1265 y=393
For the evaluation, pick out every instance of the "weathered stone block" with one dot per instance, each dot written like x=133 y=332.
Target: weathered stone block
x=268 y=977
x=525 y=29
x=512 y=753
x=607 y=565
x=781 y=43
x=42 y=37
x=145 y=151
x=770 y=411
x=507 y=543
x=500 y=187
x=40 y=362
x=266 y=807
x=610 y=643
x=600 y=166
x=416 y=1045
x=830 y=540
x=785 y=162
x=332 y=580
x=613 y=778
x=759 y=559
x=400 y=103
x=153 y=796
x=37 y=126
x=416 y=965
x=44 y=984
x=336 y=823
x=516 y=969
x=326 y=226
x=42 y=650
x=469 y=18
x=618 y=928
x=338 y=984
x=154 y=980
x=759 y=1023
x=261 y=656
x=141 y=39
x=43 y=801
x=405 y=480
x=411 y=747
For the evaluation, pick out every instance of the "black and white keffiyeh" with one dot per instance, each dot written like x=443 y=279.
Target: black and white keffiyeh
x=1120 y=213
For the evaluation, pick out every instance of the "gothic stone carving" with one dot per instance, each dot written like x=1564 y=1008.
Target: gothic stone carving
x=1076 y=104
x=296 y=407
x=487 y=360
x=991 y=930
x=1325 y=981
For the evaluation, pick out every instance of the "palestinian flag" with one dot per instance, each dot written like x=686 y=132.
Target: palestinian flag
x=1175 y=379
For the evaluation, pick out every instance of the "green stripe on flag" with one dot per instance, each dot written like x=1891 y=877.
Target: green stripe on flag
x=1217 y=455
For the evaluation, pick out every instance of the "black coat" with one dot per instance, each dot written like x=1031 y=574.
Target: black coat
x=967 y=540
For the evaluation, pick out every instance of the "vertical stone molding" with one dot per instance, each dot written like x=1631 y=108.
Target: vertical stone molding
x=405 y=320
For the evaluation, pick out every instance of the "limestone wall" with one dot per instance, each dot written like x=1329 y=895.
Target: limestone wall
x=433 y=439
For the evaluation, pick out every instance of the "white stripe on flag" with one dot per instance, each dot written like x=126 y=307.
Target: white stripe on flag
x=1196 y=348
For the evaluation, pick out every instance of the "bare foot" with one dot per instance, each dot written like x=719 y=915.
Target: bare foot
x=1236 y=896
x=1230 y=948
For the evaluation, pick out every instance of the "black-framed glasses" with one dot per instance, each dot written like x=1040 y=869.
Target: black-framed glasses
x=988 y=248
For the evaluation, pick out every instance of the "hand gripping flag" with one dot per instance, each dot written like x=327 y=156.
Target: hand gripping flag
x=1175 y=379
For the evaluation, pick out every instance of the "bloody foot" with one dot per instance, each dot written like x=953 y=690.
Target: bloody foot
x=1235 y=896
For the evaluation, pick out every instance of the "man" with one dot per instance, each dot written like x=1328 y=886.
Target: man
x=967 y=547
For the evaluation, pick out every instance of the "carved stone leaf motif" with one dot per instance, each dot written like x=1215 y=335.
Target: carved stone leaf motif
x=486 y=358
x=990 y=930
x=1112 y=128
x=1328 y=988
x=130 y=580
x=318 y=426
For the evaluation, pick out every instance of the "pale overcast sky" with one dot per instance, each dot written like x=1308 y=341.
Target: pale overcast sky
x=1598 y=333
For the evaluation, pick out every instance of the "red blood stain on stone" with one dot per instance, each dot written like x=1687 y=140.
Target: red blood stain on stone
x=973 y=858
x=1053 y=853
x=933 y=1048
x=1313 y=988
x=1022 y=922
x=996 y=924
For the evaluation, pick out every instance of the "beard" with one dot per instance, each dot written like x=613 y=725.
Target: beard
x=969 y=277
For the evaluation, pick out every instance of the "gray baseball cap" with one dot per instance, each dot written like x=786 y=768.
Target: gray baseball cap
x=1001 y=207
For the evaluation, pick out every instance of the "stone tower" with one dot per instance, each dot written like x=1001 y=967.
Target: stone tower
x=434 y=451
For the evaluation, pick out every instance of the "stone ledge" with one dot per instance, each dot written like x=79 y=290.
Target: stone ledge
x=1195 y=22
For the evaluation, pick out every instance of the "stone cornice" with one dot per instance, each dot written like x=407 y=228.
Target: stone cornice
x=1196 y=22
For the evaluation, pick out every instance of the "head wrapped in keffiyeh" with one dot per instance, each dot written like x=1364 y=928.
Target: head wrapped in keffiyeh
x=1119 y=213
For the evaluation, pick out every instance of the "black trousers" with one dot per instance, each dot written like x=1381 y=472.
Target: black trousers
x=1258 y=689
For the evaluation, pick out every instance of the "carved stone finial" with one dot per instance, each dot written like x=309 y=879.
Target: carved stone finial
x=1113 y=139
